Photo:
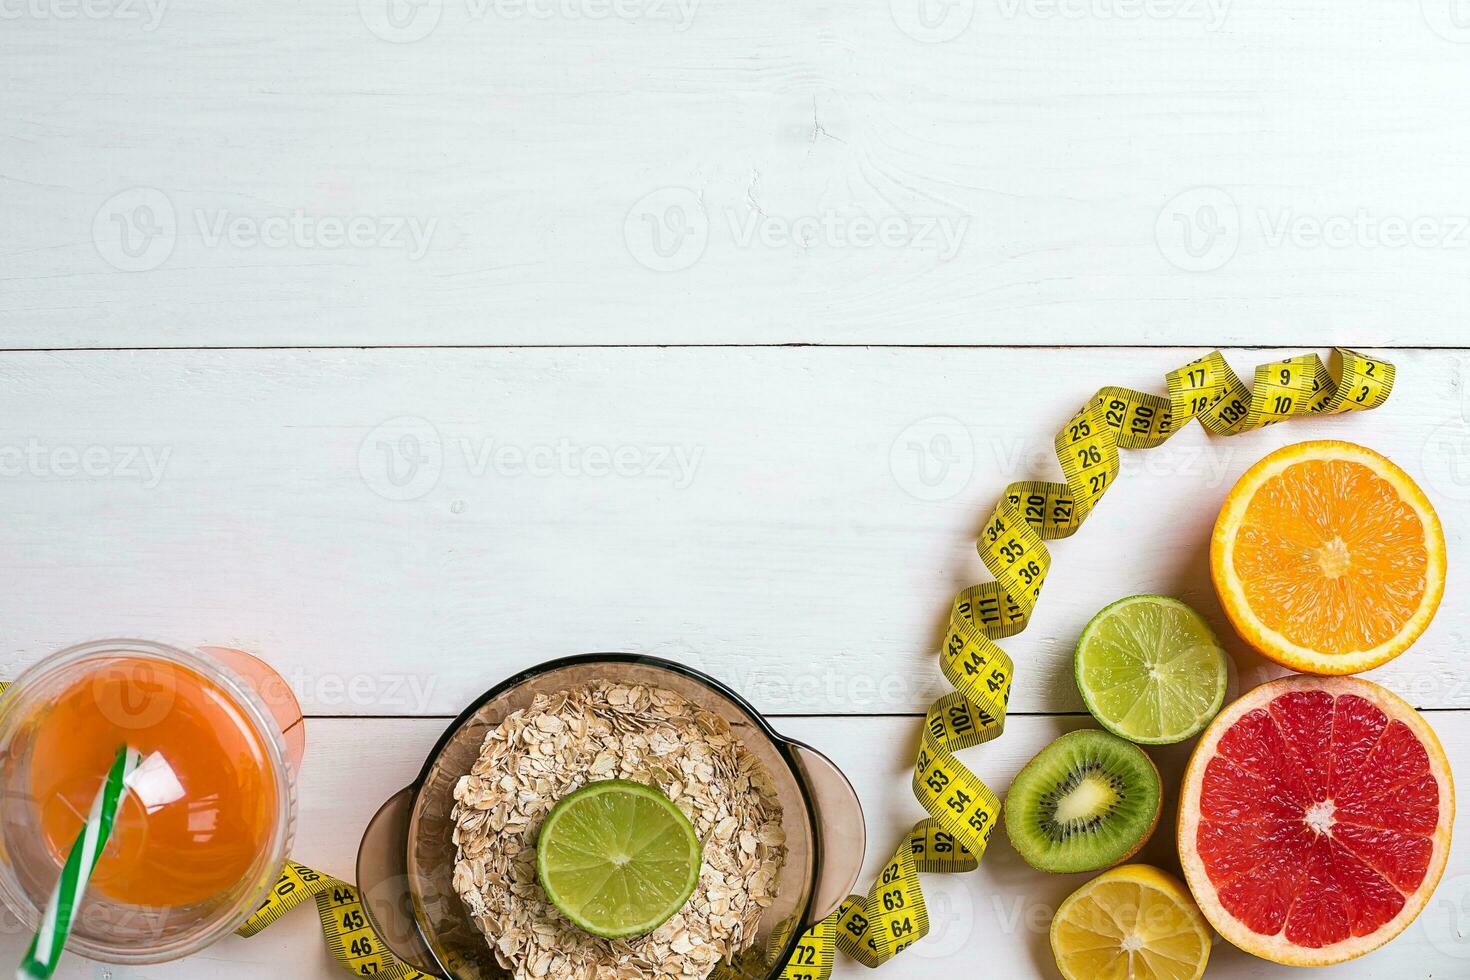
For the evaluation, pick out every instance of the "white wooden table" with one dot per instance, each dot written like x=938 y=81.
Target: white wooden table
x=407 y=346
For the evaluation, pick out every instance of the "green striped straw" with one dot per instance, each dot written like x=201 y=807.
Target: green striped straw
x=61 y=912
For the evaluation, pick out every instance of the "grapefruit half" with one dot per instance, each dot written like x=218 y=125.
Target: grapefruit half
x=1328 y=558
x=1314 y=820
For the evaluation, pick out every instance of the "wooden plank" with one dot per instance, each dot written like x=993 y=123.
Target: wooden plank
x=987 y=171
x=772 y=522
x=997 y=916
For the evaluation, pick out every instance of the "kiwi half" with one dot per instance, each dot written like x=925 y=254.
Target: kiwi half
x=1087 y=801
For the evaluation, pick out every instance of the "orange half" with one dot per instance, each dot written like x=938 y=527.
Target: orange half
x=1328 y=558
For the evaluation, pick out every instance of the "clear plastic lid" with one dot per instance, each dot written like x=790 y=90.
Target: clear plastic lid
x=208 y=817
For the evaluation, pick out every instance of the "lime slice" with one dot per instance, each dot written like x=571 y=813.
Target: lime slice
x=617 y=858
x=1151 y=670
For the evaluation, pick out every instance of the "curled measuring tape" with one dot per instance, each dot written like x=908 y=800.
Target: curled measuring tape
x=345 y=923
x=963 y=811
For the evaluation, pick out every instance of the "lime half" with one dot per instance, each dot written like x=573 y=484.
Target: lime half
x=617 y=858
x=1151 y=670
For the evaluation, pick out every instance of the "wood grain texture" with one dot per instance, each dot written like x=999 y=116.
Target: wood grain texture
x=997 y=916
x=982 y=171
x=398 y=530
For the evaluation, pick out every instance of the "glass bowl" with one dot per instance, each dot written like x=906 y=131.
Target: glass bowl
x=406 y=860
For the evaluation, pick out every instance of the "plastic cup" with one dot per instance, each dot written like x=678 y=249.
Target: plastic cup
x=209 y=818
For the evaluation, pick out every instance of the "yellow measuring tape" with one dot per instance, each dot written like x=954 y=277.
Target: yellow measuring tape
x=963 y=811
x=345 y=923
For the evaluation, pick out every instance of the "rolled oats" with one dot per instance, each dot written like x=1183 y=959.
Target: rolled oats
x=562 y=742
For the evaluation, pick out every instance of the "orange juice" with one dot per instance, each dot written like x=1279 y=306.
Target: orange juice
x=202 y=807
